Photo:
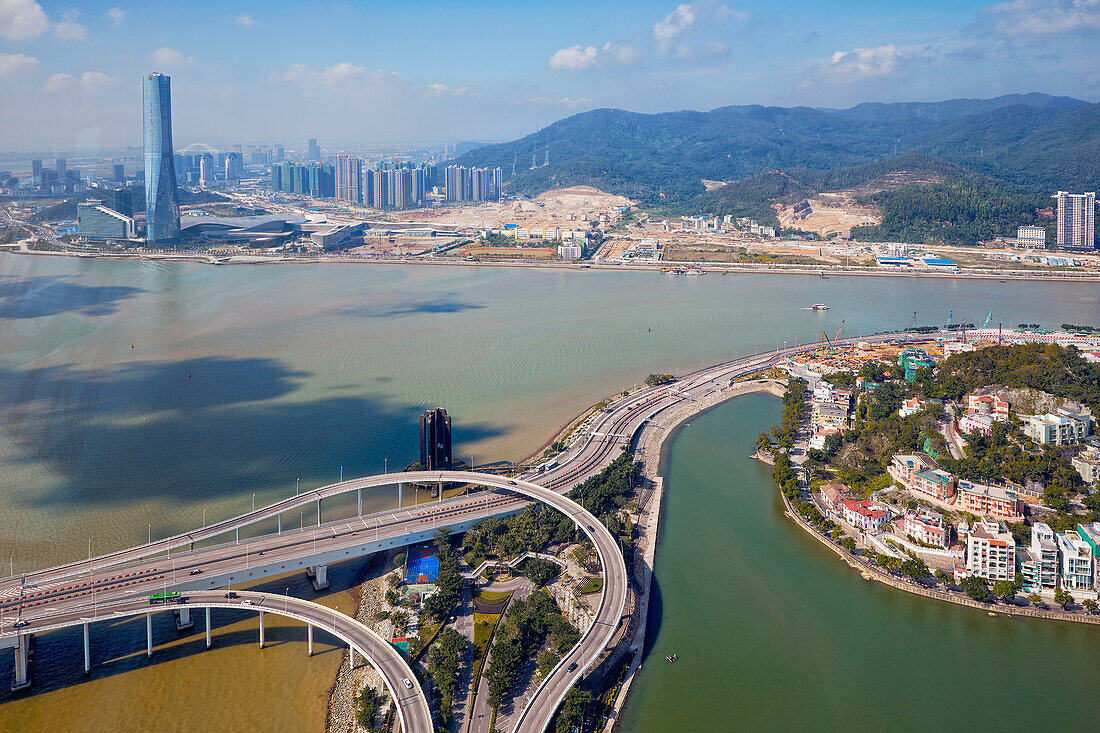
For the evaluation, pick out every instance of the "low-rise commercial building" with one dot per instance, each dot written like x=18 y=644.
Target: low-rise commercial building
x=991 y=551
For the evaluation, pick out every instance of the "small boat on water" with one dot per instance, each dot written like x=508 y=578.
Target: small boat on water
x=671 y=658
x=819 y=307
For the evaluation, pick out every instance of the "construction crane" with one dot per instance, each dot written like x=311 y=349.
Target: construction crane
x=832 y=343
x=912 y=321
x=947 y=325
x=985 y=322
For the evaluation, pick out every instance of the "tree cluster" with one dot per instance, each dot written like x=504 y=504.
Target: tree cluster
x=444 y=661
x=526 y=626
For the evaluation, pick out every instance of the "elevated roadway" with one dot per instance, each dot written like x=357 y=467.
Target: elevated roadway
x=162 y=564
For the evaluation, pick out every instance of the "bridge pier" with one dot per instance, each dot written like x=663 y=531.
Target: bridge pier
x=318 y=512
x=261 y=629
x=149 y=635
x=400 y=488
x=280 y=524
x=358 y=502
x=351 y=657
x=309 y=638
x=208 y=627
x=318 y=575
x=184 y=622
x=21 y=680
x=87 y=651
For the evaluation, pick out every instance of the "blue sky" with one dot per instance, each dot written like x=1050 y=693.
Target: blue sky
x=365 y=72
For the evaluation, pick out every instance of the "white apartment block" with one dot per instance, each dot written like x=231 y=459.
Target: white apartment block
x=1076 y=570
x=991 y=551
x=1076 y=220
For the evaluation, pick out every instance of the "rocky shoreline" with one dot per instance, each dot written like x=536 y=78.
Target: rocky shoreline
x=342 y=707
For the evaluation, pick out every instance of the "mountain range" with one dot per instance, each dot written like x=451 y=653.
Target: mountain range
x=1037 y=141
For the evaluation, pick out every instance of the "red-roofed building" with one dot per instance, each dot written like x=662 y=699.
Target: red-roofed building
x=986 y=404
x=864 y=514
x=832 y=495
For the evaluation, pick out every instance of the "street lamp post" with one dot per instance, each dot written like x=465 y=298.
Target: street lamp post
x=150 y=541
x=204 y=517
x=297 y=483
x=253 y=502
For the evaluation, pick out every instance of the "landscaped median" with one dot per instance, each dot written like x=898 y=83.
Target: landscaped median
x=488 y=609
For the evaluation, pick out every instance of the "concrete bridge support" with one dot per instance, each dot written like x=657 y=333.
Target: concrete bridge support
x=184 y=622
x=318 y=575
x=22 y=678
x=358 y=502
x=309 y=638
x=280 y=524
x=208 y=627
x=261 y=629
x=149 y=635
x=87 y=651
x=351 y=657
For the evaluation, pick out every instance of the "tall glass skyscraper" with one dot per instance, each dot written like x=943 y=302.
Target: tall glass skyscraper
x=162 y=202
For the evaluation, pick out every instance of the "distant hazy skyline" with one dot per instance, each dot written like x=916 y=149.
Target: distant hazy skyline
x=353 y=73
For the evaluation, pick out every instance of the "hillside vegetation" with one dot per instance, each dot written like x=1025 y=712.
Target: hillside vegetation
x=1039 y=141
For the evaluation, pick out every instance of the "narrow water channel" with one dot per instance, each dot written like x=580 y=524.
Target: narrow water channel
x=774 y=632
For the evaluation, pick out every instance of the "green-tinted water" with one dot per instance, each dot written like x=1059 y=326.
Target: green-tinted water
x=775 y=632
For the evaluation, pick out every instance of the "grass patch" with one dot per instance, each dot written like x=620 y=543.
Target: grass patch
x=485 y=625
x=592 y=585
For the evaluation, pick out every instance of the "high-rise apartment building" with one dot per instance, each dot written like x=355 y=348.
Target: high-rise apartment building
x=313 y=152
x=36 y=172
x=472 y=184
x=349 y=178
x=206 y=170
x=1076 y=220
x=162 y=207
x=119 y=173
x=234 y=167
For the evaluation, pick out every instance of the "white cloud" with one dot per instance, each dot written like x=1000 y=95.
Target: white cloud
x=673 y=25
x=245 y=20
x=21 y=19
x=561 y=102
x=574 y=58
x=116 y=15
x=69 y=29
x=165 y=56
x=442 y=90
x=671 y=33
x=16 y=63
x=89 y=82
x=579 y=58
x=857 y=65
x=1043 y=17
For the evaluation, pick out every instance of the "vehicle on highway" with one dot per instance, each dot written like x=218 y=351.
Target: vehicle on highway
x=196 y=571
x=408 y=682
x=232 y=594
x=572 y=667
x=591 y=528
x=20 y=623
x=246 y=602
x=513 y=483
x=164 y=597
